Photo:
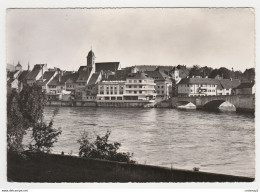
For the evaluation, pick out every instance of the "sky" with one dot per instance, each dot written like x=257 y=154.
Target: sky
x=213 y=37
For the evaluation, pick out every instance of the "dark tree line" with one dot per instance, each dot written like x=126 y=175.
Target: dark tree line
x=247 y=75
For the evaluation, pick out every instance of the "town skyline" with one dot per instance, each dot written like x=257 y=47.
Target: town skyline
x=190 y=37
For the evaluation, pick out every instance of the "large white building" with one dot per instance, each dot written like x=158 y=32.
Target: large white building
x=136 y=86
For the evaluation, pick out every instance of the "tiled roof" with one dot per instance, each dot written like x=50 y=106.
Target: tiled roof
x=156 y=75
x=83 y=74
x=33 y=74
x=245 y=85
x=47 y=75
x=64 y=78
x=120 y=75
x=23 y=75
x=229 y=84
x=107 y=66
x=93 y=78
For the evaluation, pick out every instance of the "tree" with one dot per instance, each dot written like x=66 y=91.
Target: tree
x=24 y=110
x=15 y=124
x=44 y=136
x=249 y=74
x=195 y=71
x=101 y=149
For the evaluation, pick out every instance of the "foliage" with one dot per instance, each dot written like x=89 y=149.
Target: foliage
x=24 y=110
x=15 y=123
x=32 y=101
x=101 y=149
x=44 y=136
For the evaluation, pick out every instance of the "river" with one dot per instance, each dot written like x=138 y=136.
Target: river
x=220 y=142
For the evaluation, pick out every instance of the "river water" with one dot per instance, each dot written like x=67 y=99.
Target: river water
x=220 y=142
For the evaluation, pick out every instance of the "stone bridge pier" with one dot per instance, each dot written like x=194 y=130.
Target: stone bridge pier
x=241 y=102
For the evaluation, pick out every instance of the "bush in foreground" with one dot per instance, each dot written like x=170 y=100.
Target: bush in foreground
x=102 y=149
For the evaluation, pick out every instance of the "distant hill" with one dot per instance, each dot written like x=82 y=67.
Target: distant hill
x=10 y=67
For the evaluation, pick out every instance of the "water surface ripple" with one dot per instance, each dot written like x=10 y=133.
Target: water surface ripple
x=215 y=142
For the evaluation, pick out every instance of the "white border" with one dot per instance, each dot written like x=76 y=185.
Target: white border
x=117 y=3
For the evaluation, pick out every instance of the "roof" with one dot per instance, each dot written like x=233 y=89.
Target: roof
x=23 y=75
x=10 y=81
x=229 y=84
x=93 y=78
x=83 y=74
x=12 y=73
x=139 y=76
x=36 y=69
x=91 y=54
x=120 y=75
x=18 y=65
x=245 y=85
x=197 y=80
x=64 y=78
x=156 y=75
x=107 y=66
x=48 y=75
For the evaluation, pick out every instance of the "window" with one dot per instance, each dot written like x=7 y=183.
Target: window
x=107 y=87
x=115 y=87
x=130 y=86
x=115 y=92
x=140 y=91
x=121 y=92
x=101 y=87
x=135 y=86
x=102 y=92
x=162 y=92
x=111 y=87
x=140 y=81
x=161 y=86
x=122 y=87
x=135 y=92
x=158 y=86
x=111 y=92
x=130 y=81
x=140 y=86
x=107 y=92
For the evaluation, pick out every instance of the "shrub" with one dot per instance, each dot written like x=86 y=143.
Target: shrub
x=101 y=149
x=44 y=136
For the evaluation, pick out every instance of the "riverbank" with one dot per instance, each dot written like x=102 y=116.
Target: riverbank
x=51 y=168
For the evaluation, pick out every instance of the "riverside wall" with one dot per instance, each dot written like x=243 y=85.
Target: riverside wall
x=123 y=104
x=165 y=174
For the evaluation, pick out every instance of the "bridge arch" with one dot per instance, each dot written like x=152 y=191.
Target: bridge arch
x=185 y=104
x=220 y=104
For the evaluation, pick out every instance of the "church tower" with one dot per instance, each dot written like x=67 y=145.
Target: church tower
x=91 y=60
x=91 y=63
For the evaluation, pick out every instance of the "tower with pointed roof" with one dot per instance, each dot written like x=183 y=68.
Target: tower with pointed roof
x=91 y=62
x=19 y=67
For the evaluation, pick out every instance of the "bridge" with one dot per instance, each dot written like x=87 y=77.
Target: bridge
x=241 y=102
